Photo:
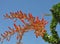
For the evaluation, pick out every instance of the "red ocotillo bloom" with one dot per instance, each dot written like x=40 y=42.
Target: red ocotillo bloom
x=34 y=24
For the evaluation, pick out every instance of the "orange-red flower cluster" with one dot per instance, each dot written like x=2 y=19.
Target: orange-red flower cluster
x=39 y=26
x=7 y=34
x=17 y=14
x=34 y=24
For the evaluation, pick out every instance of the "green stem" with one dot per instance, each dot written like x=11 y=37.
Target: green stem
x=53 y=27
x=50 y=39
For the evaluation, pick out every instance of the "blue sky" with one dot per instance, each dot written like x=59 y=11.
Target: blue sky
x=36 y=7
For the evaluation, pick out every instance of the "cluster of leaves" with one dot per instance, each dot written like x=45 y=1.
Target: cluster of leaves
x=56 y=11
x=55 y=20
x=54 y=38
x=33 y=24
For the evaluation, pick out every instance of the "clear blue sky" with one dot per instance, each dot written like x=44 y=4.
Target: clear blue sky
x=36 y=7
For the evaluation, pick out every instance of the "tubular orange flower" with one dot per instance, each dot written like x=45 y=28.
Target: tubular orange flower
x=30 y=18
x=18 y=28
x=30 y=15
x=43 y=21
x=21 y=13
x=24 y=16
x=3 y=35
x=10 y=28
x=37 y=20
x=7 y=16
x=36 y=33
